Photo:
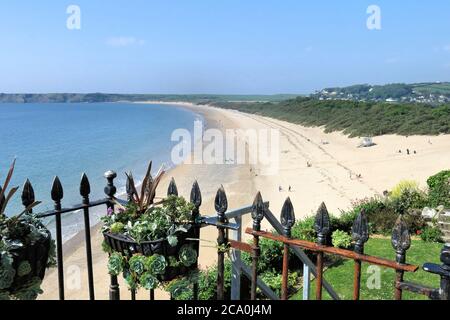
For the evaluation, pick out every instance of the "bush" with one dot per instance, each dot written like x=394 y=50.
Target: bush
x=402 y=186
x=439 y=189
x=341 y=239
x=207 y=284
x=431 y=234
x=271 y=256
x=407 y=200
x=273 y=280
x=304 y=230
x=181 y=289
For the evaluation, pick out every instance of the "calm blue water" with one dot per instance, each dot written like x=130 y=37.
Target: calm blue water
x=69 y=139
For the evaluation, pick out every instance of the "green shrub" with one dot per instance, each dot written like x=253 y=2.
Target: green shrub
x=272 y=256
x=274 y=279
x=439 y=189
x=431 y=234
x=181 y=289
x=408 y=199
x=402 y=186
x=304 y=230
x=341 y=239
x=208 y=282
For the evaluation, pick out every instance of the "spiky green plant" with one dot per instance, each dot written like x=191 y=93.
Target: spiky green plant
x=146 y=198
x=18 y=232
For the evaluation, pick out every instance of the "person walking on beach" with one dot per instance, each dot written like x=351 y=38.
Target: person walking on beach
x=290 y=188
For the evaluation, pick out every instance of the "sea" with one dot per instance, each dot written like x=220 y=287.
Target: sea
x=67 y=140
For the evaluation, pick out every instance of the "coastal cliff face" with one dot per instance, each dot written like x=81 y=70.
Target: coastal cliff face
x=107 y=97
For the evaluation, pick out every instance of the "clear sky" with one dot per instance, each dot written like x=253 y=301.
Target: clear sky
x=227 y=46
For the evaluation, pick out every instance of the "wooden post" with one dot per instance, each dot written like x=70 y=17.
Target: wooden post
x=57 y=195
x=287 y=221
x=360 y=234
x=196 y=200
x=85 y=190
x=322 y=226
x=258 y=216
x=401 y=242
x=110 y=191
x=221 y=206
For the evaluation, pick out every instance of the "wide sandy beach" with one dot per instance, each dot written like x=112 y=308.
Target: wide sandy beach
x=315 y=165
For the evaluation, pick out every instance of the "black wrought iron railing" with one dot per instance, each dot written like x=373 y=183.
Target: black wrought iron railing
x=231 y=221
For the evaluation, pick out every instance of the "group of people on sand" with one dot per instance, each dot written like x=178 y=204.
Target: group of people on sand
x=280 y=189
x=408 y=151
x=357 y=175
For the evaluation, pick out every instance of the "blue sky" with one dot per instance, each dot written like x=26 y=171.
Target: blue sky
x=228 y=46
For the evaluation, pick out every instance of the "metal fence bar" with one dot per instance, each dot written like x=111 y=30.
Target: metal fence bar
x=78 y=207
x=260 y=284
x=236 y=271
x=57 y=195
x=85 y=190
x=306 y=282
x=110 y=191
x=300 y=254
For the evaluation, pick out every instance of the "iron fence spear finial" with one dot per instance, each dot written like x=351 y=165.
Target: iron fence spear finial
x=322 y=224
x=287 y=217
x=28 y=197
x=85 y=187
x=360 y=231
x=172 y=190
x=221 y=203
x=401 y=239
x=196 y=195
x=258 y=212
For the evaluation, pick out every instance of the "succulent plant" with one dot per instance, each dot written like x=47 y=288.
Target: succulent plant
x=115 y=264
x=187 y=255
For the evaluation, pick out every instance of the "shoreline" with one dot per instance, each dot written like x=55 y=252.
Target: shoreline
x=331 y=178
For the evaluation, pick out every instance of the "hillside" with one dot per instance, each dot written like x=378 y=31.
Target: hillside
x=103 y=97
x=355 y=118
x=433 y=93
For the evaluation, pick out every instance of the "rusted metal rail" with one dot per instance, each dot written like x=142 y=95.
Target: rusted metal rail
x=401 y=242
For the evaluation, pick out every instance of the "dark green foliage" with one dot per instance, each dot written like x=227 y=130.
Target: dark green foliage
x=431 y=234
x=304 y=230
x=181 y=289
x=439 y=189
x=272 y=257
x=355 y=118
x=274 y=279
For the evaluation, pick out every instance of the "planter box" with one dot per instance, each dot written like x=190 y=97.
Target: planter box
x=128 y=248
x=37 y=255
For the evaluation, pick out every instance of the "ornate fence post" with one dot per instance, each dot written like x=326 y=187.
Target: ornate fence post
x=287 y=221
x=57 y=195
x=110 y=191
x=172 y=190
x=196 y=200
x=322 y=226
x=85 y=190
x=401 y=242
x=360 y=234
x=258 y=216
x=221 y=206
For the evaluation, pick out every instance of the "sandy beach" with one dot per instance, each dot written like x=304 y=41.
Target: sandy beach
x=316 y=166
